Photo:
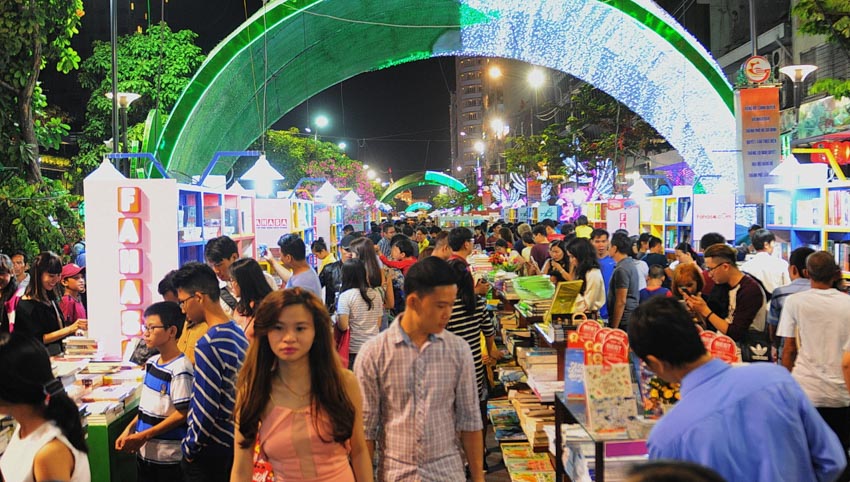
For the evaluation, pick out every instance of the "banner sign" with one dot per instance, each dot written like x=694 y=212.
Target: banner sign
x=534 y=191
x=758 y=132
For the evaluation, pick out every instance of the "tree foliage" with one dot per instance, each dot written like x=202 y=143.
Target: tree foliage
x=37 y=217
x=297 y=156
x=157 y=64
x=33 y=35
x=830 y=18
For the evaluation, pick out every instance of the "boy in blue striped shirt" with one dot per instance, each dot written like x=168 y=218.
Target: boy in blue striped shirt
x=208 y=445
x=157 y=431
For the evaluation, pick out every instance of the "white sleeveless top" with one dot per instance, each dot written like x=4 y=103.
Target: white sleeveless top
x=17 y=461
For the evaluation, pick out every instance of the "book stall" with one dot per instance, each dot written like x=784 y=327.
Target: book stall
x=577 y=404
x=107 y=392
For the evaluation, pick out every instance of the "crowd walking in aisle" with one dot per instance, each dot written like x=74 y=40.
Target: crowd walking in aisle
x=371 y=365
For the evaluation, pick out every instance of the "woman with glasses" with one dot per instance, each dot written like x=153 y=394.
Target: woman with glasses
x=37 y=314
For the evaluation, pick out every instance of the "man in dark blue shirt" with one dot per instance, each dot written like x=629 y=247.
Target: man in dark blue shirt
x=751 y=423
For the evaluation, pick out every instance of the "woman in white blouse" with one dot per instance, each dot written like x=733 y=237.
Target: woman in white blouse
x=585 y=266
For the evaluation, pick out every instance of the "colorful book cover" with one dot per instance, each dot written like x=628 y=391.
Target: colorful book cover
x=610 y=399
x=531 y=463
x=532 y=476
x=516 y=450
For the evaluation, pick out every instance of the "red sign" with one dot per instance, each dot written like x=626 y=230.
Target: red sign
x=724 y=348
x=615 y=350
x=707 y=337
x=534 y=191
x=757 y=69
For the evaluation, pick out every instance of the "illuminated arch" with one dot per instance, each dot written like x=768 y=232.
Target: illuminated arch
x=631 y=49
x=421 y=205
x=427 y=178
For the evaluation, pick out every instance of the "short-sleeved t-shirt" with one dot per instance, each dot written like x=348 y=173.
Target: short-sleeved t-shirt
x=363 y=322
x=167 y=388
x=818 y=319
x=625 y=276
x=308 y=280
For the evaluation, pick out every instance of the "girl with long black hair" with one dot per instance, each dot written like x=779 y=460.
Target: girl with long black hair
x=250 y=287
x=584 y=265
x=296 y=400
x=37 y=314
x=359 y=307
x=49 y=443
x=8 y=286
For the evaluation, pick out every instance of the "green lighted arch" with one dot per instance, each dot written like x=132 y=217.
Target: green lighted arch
x=631 y=49
x=427 y=178
x=421 y=205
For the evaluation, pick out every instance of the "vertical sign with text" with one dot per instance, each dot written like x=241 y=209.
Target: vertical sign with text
x=758 y=132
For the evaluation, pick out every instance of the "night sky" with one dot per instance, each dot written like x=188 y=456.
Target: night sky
x=396 y=118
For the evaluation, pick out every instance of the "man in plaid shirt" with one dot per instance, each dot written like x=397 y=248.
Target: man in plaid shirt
x=419 y=387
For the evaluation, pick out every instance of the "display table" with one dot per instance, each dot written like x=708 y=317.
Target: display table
x=574 y=412
x=542 y=339
x=107 y=464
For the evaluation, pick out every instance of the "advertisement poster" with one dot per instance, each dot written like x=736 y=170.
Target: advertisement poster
x=714 y=213
x=270 y=221
x=623 y=214
x=758 y=132
x=534 y=191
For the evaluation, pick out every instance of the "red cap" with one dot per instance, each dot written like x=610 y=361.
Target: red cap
x=71 y=270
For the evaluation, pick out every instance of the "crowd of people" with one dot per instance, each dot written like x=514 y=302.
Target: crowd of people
x=374 y=351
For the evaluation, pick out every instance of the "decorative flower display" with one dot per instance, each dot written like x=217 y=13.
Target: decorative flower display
x=661 y=396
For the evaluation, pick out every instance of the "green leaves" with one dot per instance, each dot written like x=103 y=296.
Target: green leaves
x=156 y=64
x=830 y=18
x=27 y=209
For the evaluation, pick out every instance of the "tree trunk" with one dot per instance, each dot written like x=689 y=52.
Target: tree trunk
x=29 y=142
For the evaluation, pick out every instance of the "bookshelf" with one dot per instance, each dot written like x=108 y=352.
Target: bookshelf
x=329 y=220
x=669 y=218
x=203 y=214
x=817 y=216
x=597 y=214
x=544 y=211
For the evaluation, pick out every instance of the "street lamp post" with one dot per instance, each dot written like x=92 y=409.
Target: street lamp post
x=536 y=78
x=321 y=123
x=124 y=101
x=797 y=74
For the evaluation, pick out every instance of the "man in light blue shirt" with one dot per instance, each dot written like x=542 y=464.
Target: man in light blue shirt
x=750 y=423
x=293 y=256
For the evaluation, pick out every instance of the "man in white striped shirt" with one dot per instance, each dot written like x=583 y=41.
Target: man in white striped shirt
x=419 y=386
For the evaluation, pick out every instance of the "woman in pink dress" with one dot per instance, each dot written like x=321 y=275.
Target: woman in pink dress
x=295 y=399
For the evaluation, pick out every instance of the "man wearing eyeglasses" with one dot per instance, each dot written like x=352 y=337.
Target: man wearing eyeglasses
x=387 y=233
x=208 y=445
x=747 y=301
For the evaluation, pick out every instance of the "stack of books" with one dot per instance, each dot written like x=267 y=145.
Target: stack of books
x=505 y=421
x=78 y=346
x=524 y=465
x=533 y=415
x=534 y=307
x=103 y=412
